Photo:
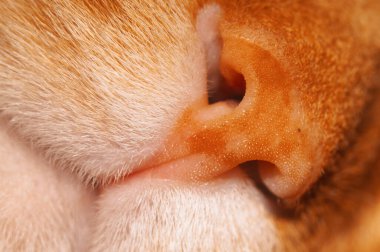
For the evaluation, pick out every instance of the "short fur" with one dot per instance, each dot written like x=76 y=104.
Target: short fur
x=90 y=89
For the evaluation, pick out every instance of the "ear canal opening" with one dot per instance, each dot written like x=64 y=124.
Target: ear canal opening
x=223 y=83
x=229 y=87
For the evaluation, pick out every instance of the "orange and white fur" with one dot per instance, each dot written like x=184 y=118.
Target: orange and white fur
x=189 y=125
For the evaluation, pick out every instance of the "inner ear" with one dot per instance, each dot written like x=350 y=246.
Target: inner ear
x=219 y=88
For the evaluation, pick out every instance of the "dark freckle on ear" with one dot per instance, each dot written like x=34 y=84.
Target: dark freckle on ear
x=299 y=130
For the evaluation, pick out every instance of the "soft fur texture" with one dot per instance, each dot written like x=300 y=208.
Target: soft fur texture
x=42 y=208
x=105 y=60
x=206 y=224
x=91 y=91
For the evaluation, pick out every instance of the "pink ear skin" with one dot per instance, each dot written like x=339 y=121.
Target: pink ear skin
x=211 y=139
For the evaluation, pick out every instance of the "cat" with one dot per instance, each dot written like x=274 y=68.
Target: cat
x=189 y=125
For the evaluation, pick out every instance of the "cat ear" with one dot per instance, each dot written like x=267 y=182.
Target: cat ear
x=268 y=125
x=254 y=113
